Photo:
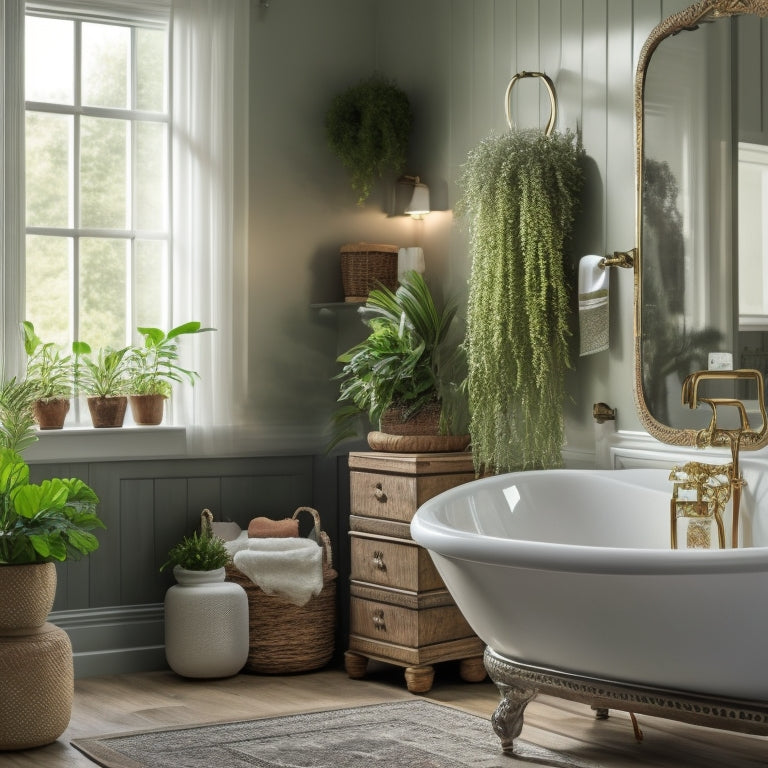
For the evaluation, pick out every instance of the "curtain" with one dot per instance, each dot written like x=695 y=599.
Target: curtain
x=210 y=206
x=11 y=184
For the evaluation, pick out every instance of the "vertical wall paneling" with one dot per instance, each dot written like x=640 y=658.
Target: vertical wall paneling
x=527 y=93
x=138 y=563
x=504 y=63
x=550 y=53
x=569 y=78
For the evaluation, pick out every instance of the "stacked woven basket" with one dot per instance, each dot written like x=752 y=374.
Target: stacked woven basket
x=365 y=266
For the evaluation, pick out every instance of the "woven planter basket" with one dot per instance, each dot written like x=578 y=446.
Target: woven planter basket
x=364 y=266
x=287 y=638
x=423 y=422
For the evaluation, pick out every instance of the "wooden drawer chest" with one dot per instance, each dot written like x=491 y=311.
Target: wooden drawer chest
x=400 y=610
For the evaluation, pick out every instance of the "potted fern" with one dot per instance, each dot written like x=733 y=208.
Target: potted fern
x=51 y=373
x=406 y=375
x=368 y=127
x=219 y=646
x=520 y=192
x=154 y=367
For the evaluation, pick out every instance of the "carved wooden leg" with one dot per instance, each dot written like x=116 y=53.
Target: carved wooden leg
x=419 y=679
x=355 y=665
x=601 y=713
x=507 y=720
x=472 y=670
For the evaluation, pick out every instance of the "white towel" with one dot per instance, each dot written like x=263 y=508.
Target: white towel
x=593 y=305
x=291 y=568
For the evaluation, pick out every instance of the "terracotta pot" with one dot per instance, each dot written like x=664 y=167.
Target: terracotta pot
x=147 y=409
x=50 y=414
x=107 y=411
x=36 y=665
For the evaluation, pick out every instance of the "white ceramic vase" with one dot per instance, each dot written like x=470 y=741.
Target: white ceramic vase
x=206 y=624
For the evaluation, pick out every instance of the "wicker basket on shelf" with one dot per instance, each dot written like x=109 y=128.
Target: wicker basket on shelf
x=364 y=266
x=287 y=638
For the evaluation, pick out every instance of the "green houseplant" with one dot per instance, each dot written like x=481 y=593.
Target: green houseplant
x=40 y=524
x=368 y=127
x=153 y=368
x=103 y=378
x=410 y=362
x=51 y=372
x=520 y=192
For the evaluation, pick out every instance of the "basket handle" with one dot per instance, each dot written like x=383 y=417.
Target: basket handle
x=322 y=536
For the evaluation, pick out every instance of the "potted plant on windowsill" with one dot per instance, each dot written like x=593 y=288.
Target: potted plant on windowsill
x=410 y=367
x=153 y=369
x=51 y=374
x=39 y=525
x=103 y=378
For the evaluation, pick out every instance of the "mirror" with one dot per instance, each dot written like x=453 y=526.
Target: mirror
x=701 y=276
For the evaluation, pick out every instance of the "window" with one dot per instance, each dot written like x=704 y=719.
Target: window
x=97 y=177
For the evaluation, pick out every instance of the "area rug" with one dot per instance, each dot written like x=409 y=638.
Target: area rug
x=404 y=734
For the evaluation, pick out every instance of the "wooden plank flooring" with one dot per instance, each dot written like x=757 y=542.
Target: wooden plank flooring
x=157 y=699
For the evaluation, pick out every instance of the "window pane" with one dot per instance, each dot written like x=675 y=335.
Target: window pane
x=48 y=155
x=151 y=175
x=103 y=172
x=49 y=60
x=48 y=286
x=106 y=73
x=150 y=69
x=151 y=288
x=102 y=292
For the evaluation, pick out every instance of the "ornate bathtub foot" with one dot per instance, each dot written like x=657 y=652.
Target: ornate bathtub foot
x=507 y=720
x=419 y=679
x=472 y=670
x=601 y=713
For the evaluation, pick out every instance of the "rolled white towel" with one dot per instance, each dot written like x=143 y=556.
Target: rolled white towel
x=291 y=568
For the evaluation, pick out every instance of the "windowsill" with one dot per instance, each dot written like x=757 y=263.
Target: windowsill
x=89 y=444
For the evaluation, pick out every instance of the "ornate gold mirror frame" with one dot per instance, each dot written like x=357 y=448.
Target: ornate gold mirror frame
x=688 y=19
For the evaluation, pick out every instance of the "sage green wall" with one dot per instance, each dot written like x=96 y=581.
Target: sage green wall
x=454 y=58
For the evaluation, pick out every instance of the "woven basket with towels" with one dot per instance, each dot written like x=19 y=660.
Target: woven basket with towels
x=286 y=637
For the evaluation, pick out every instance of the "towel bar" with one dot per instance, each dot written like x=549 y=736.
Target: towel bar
x=552 y=98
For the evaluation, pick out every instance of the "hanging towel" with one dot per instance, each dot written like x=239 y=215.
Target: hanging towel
x=291 y=568
x=593 y=305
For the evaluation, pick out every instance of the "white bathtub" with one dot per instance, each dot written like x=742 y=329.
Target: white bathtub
x=571 y=570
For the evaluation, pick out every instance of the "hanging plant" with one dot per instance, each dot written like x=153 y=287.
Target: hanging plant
x=520 y=192
x=368 y=127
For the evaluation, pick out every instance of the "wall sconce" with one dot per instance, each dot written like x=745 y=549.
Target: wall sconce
x=418 y=206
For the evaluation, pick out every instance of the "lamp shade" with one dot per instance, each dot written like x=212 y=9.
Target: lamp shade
x=419 y=204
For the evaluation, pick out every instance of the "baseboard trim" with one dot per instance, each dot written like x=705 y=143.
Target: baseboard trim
x=113 y=641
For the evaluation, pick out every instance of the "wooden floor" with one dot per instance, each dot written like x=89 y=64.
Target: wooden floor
x=158 y=699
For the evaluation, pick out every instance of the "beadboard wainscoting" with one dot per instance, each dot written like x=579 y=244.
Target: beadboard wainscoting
x=110 y=603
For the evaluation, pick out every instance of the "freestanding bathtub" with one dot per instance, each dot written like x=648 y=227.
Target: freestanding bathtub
x=569 y=579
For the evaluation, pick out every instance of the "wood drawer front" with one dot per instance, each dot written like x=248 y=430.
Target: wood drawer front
x=397 y=497
x=403 y=626
x=395 y=564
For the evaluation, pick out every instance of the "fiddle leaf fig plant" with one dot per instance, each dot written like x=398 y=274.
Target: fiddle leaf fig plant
x=52 y=521
x=520 y=192
x=368 y=127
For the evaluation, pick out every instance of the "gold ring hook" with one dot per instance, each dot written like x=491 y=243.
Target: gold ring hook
x=550 y=86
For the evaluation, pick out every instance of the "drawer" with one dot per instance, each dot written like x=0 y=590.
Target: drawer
x=397 y=497
x=392 y=563
x=394 y=624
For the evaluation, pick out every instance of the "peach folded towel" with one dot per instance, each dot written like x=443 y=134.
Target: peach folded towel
x=265 y=528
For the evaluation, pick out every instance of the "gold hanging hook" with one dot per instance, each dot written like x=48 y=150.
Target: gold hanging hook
x=550 y=86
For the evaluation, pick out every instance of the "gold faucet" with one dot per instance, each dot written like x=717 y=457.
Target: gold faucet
x=714 y=435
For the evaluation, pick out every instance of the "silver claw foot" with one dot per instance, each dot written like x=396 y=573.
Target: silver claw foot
x=507 y=720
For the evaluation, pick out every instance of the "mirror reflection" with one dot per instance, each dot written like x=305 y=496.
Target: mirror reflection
x=703 y=237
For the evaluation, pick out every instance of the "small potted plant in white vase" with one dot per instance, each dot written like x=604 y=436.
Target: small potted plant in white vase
x=154 y=368
x=217 y=647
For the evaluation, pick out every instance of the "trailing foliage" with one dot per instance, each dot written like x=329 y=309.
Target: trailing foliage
x=45 y=522
x=368 y=127
x=410 y=359
x=520 y=192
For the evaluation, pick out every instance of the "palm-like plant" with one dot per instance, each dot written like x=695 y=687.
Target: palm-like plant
x=407 y=360
x=16 y=417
